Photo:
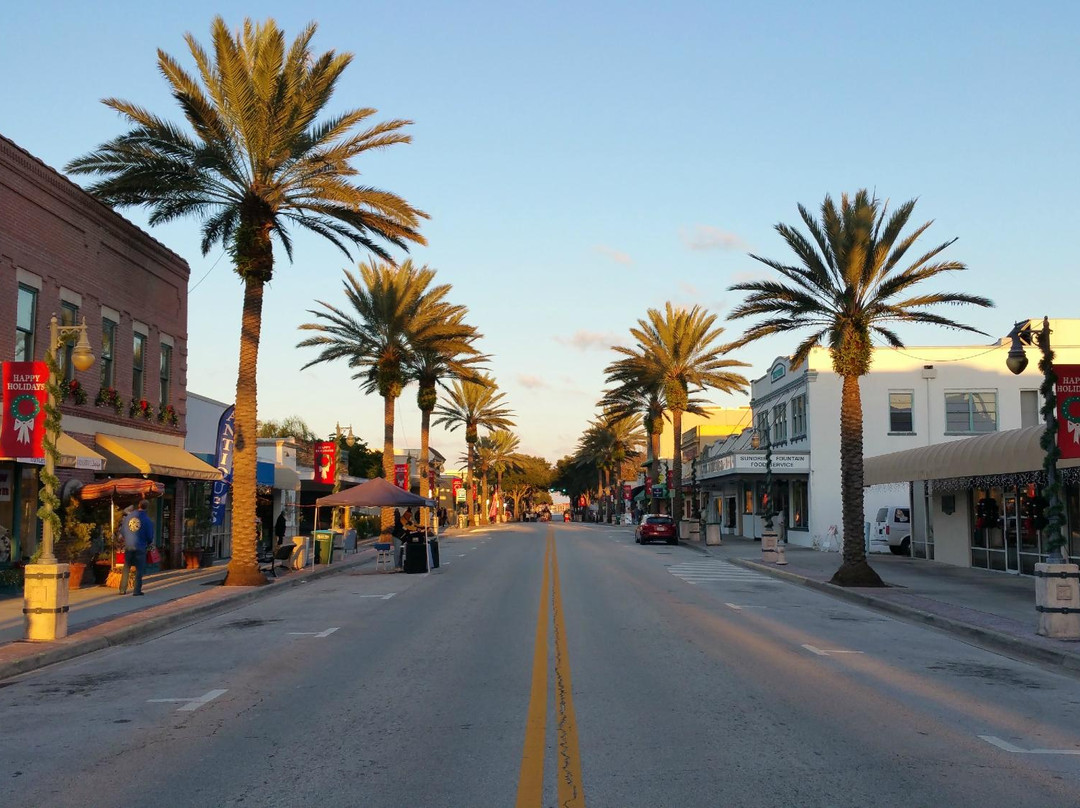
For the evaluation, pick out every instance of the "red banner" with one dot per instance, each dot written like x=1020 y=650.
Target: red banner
x=627 y=491
x=325 y=461
x=22 y=430
x=456 y=487
x=431 y=481
x=1068 y=409
x=401 y=475
x=670 y=479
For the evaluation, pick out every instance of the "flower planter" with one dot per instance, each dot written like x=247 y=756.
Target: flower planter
x=192 y=559
x=76 y=569
x=207 y=557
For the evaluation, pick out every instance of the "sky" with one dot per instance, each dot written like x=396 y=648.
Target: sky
x=583 y=162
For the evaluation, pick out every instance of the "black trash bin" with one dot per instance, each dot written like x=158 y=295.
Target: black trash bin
x=415 y=555
x=434 y=545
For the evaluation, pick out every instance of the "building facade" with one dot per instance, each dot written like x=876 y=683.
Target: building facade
x=64 y=253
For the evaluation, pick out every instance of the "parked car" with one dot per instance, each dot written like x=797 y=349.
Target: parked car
x=545 y=515
x=893 y=527
x=653 y=528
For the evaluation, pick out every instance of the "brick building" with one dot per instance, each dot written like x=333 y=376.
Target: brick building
x=63 y=252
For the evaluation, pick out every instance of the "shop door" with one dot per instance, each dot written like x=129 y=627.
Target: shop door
x=1011 y=532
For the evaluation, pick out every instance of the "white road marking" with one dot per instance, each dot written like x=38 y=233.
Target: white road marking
x=190 y=704
x=460 y=555
x=822 y=652
x=381 y=597
x=694 y=572
x=319 y=634
x=739 y=608
x=1008 y=747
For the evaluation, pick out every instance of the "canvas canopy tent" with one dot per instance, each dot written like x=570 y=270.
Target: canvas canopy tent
x=376 y=493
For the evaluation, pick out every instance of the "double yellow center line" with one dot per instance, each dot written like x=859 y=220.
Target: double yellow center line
x=571 y=793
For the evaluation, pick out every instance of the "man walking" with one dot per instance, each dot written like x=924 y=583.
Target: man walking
x=138 y=533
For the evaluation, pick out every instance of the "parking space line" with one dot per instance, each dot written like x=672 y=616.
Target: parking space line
x=191 y=704
x=1008 y=747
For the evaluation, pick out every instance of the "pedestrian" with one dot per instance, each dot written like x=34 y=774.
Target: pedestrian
x=398 y=533
x=279 y=527
x=781 y=527
x=138 y=533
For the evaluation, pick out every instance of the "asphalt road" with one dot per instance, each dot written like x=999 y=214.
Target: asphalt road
x=544 y=665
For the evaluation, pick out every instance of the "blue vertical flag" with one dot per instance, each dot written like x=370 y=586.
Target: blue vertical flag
x=223 y=460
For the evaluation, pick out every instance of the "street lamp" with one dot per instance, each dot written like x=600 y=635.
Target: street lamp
x=755 y=442
x=1023 y=334
x=46 y=594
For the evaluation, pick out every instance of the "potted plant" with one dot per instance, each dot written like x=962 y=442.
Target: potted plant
x=75 y=542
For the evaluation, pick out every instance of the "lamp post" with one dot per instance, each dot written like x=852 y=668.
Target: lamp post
x=350 y=441
x=45 y=603
x=1023 y=334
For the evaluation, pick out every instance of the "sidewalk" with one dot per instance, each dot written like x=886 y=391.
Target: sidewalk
x=99 y=617
x=990 y=609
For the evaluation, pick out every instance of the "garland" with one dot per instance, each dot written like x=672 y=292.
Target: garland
x=140 y=408
x=50 y=502
x=109 y=397
x=1055 y=511
x=167 y=415
x=75 y=391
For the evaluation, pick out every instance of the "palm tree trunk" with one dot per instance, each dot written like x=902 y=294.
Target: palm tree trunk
x=498 y=493
x=386 y=519
x=676 y=465
x=243 y=569
x=425 y=489
x=654 y=450
x=855 y=571
x=469 y=503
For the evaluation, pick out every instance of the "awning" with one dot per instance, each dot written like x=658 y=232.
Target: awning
x=72 y=455
x=1014 y=450
x=285 y=479
x=131 y=456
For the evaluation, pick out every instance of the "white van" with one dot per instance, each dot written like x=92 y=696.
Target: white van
x=893 y=527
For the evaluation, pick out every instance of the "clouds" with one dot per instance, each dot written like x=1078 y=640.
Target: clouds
x=707 y=237
x=591 y=340
x=530 y=382
x=618 y=256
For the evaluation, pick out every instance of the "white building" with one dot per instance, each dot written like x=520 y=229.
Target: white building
x=912 y=397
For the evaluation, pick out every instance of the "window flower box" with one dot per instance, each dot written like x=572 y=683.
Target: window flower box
x=109 y=397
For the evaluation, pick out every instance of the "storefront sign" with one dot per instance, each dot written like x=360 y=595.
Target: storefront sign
x=401 y=475
x=457 y=489
x=1068 y=409
x=223 y=460
x=325 y=462
x=748 y=463
x=22 y=430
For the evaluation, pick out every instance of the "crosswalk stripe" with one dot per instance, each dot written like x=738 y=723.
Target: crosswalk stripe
x=694 y=572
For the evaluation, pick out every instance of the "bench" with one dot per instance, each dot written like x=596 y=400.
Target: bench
x=282 y=553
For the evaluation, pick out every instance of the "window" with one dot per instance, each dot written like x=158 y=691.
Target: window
x=901 y=414
x=138 y=357
x=971 y=412
x=779 y=423
x=69 y=315
x=748 y=498
x=800 y=504
x=763 y=428
x=25 y=319
x=166 y=373
x=1029 y=408
x=108 y=341
x=798 y=416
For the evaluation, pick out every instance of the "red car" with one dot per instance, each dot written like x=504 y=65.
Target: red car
x=654 y=528
x=566 y=516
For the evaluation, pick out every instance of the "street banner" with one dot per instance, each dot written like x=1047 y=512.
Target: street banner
x=457 y=489
x=22 y=431
x=223 y=459
x=627 y=491
x=325 y=461
x=670 y=478
x=1068 y=409
x=401 y=476
x=431 y=481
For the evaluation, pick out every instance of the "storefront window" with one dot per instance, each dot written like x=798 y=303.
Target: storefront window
x=7 y=513
x=748 y=499
x=28 y=505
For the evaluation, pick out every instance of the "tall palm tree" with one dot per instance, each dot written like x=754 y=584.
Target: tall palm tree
x=473 y=405
x=846 y=287
x=499 y=448
x=257 y=162
x=391 y=310
x=677 y=350
x=607 y=445
x=634 y=396
x=433 y=365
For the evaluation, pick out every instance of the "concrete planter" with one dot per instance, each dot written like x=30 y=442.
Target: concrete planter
x=690 y=529
x=712 y=534
x=1057 y=600
x=768 y=546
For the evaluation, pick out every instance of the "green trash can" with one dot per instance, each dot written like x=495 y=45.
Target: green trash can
x=324 y=546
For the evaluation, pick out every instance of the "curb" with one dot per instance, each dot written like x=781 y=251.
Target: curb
x=64 y=650
x=985 y=638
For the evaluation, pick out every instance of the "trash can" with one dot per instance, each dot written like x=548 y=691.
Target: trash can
x=415 y=555
x=433 y=543
x=324 y=546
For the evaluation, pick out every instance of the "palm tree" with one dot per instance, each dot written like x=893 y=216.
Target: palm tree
x=497 y=450
x=677 y=351
x=636 y=397
x=432 y=365
x=473 y=404
x=846 y=287
x=391 y=311
x=606 y=446
x=258 y=162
